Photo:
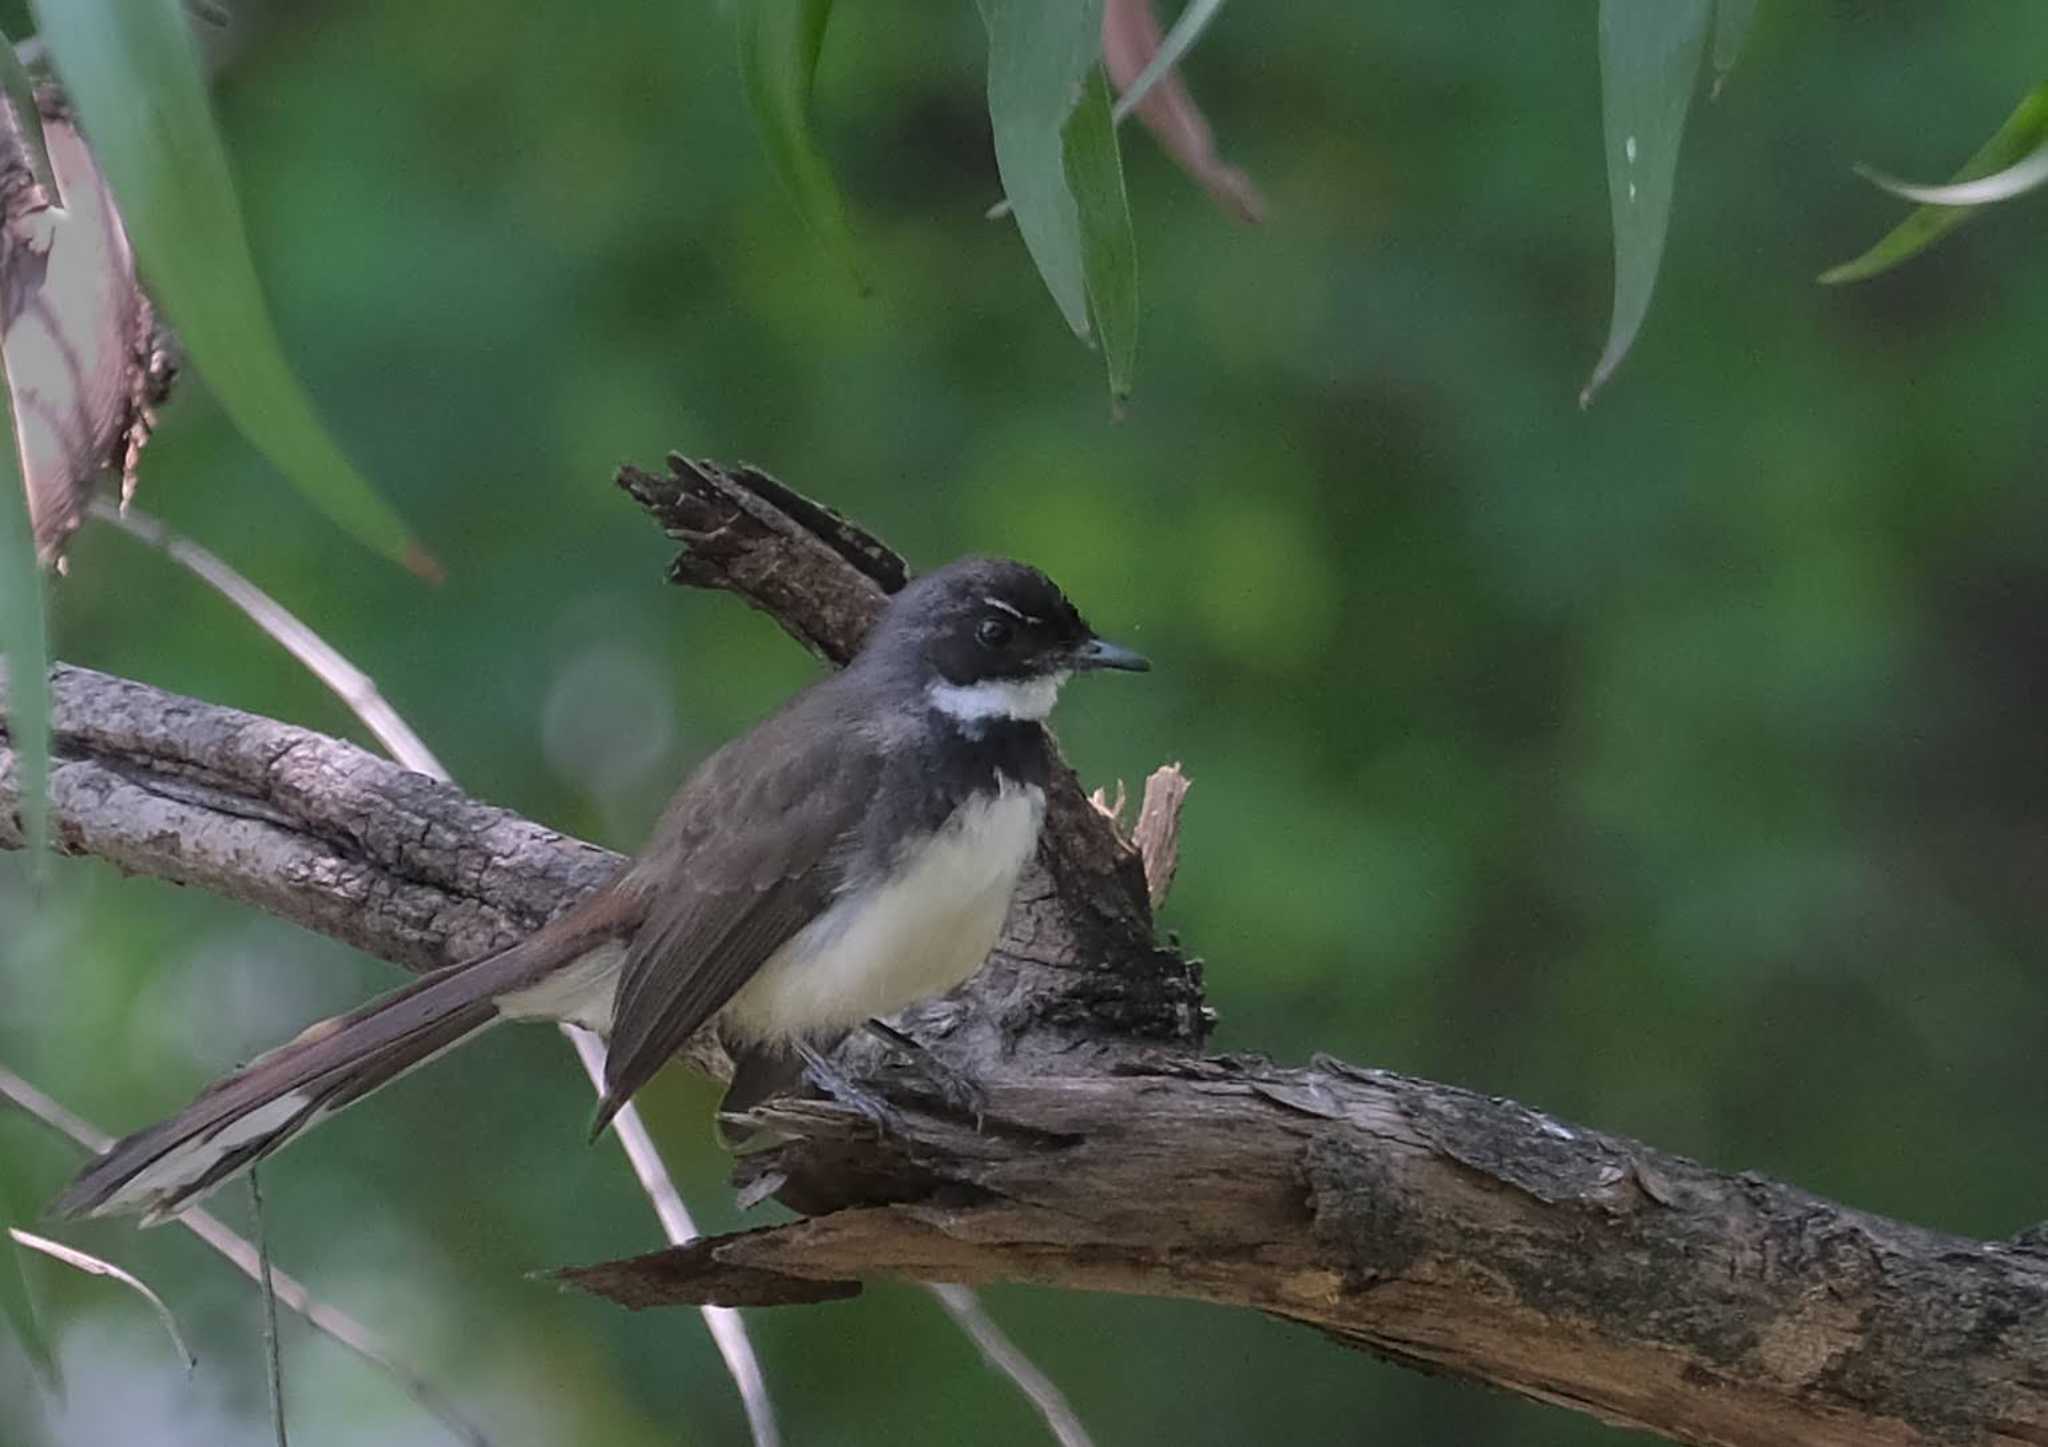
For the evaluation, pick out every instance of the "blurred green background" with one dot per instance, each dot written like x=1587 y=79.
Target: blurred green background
x=1675 y=766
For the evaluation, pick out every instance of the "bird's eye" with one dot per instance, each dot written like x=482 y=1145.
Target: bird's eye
x=993 y=633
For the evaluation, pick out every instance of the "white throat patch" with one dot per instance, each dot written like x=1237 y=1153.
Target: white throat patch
x=998 y=698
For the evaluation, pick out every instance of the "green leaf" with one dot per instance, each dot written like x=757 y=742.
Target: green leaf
x=1109 y=247
x=1649 y=68
x=17 y=1302
x=1187 y=29
x=779 y=43
x=1048 y=103
x=1731 y=28
x=2022 y=176
x=2023 y=133
x=98 y=1266
x=132 y=70
x=1039 y=56
x=20 y=90
x=25 y=646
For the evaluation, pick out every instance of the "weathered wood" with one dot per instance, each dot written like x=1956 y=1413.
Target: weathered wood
x=1428 y=1224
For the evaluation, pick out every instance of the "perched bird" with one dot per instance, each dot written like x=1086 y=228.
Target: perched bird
x=853 y=853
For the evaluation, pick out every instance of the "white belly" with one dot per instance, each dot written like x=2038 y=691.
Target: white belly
x=918 y=934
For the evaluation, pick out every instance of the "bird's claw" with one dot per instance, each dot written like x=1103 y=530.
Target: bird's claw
x=958 y=1090
x=837 y=1084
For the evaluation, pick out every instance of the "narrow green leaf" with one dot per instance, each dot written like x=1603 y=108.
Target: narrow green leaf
x=1179 y=40
x=20 y=90
x=1731 y=28
x=1109 y=248
x=2023 y=132
x=1039 y=55
x=25 y=646
x=779 y=43
x=2017 y=179
x=132 y=70
x=1649 y=68
x=17 y=1301
x=96 y=1266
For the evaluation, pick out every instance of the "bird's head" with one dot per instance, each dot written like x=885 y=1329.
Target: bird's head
x=994 y=639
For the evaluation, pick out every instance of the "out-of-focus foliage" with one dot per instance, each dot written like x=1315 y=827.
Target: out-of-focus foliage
x=23 y=646
x=1673 y=766
x=91 y=1265
x=24 y=1326
x=779 y=46
x=1732 y=19
x=19 y=88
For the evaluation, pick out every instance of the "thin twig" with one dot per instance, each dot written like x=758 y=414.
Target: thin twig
x=273 y=1353
x=348 y=683
x=965 y=1307
x=728 y=1331
x=331 y=1321
x=359 y=692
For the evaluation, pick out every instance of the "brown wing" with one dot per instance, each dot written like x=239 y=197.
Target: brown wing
x=751 y=851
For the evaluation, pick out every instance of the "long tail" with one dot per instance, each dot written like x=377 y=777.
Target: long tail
x=245 y=1116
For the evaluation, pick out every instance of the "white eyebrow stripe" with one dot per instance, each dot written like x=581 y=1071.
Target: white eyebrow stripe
x=999 y=603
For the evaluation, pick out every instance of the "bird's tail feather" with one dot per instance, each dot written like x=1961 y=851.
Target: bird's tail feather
x=245 y=1116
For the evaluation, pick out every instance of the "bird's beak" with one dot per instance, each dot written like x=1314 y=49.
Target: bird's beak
x=1101 y=653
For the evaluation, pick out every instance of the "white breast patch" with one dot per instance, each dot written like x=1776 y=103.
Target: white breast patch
x=919 y=933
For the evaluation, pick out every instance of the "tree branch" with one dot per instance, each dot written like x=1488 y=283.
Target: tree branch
x=1428 y=1224
x=1418 y=1221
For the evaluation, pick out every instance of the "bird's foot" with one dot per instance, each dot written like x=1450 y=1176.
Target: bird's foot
x=960 y=1091
x=840 y=1086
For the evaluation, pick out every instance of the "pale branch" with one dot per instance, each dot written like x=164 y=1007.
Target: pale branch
x=1003 y=1355
x=355 y=688
x=1419 y=1221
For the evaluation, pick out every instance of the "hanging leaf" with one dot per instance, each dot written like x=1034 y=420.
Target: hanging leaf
x=1039 y=52
x=18 y=1311
x=24 y=645
x=1109 y=248
x=2017 y=179
x=779 y=43
x=93 y=1266
x=1649 y=68
x=1134 y=17
x=20 y=92
x=1731 y=28
x=2023 y=133
x=132 y=70
x=1141 y=64
x=1042 y=64
x=76 y=337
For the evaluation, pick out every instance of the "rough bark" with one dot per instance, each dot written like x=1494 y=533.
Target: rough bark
x=1422 y=1222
